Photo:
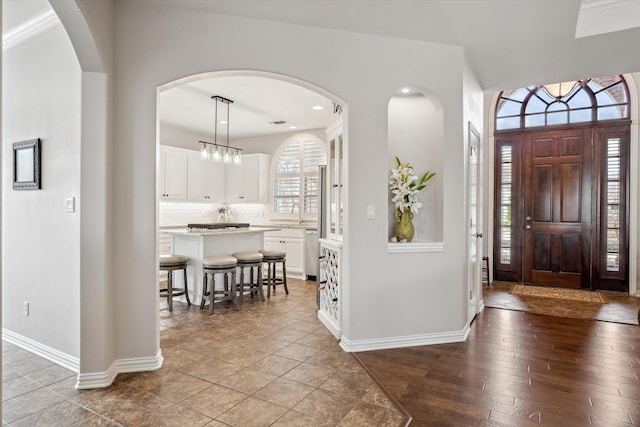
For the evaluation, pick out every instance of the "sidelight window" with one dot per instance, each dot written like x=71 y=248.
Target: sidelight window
x=506 y=205
x=613 y=175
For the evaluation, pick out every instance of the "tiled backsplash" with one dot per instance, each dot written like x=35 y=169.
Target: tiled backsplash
x=176 y=213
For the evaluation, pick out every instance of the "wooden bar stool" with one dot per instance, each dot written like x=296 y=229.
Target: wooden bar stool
x=486 y=269
x=225 y=265
x=272 y=258
x=170 y=263
x=250 y=260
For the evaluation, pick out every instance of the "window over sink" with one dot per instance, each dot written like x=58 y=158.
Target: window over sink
x=295 y=177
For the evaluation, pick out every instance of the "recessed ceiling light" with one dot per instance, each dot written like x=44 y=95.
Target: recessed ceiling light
x=293 y=127
x=405 y=90
x=317 y=107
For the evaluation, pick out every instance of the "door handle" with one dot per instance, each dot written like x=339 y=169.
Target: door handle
x=479 y=235
x=527 y=218
x=527 y=226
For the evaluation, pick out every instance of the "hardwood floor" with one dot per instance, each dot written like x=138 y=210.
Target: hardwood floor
x=519 y=369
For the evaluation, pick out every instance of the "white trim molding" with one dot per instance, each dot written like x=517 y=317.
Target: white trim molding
x=404 y=341
x=29 y=29
x=56 y=356
x=415 y=247
x=120 y=366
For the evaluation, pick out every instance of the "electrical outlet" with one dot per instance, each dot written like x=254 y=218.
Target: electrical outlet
x=25 y=308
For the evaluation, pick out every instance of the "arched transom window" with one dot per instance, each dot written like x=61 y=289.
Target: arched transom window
x=589 y=100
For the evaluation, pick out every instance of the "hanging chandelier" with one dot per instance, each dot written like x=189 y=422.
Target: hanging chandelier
x=217 y=152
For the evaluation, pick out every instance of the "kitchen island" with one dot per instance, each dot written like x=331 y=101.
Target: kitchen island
x=197 y=244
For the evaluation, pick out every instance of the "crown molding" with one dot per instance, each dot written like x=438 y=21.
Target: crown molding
x=29 y=29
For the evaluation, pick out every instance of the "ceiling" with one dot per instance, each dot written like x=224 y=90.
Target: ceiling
x=257 y=102
x=509 y=44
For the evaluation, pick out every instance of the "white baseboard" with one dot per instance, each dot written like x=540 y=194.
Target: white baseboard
x=119 y=366
x=65 y=360
x=404 y=341
x=84 y=380
x=329 y=323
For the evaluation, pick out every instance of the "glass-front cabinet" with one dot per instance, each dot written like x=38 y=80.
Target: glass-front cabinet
x=335 y=176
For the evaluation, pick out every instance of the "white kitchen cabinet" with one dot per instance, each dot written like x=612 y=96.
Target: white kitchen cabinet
x=205 y=179
x=335 y=177
x=248 y=182
x=290 y=240
x=173 y=173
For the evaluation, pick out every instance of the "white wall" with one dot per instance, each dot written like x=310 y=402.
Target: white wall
x=42 y=99
x=156 y=45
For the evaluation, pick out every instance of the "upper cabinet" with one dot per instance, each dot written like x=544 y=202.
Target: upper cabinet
x=173 y=173
x=205 y=179
x=249 y=182
x=335 y=177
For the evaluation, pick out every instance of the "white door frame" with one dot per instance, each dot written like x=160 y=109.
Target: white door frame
x=474 y=220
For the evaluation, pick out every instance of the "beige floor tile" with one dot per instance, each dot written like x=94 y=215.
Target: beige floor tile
x=309 y=374
x=297 y=351
x=28 y=403
x=214 y=400
x=298 y=419
x=179 y=387
x=284 y=392
x=326 y=405
x=177 y=416
x=364 y=413
x=275 y=365
x=64 y=413
x=252 y=412
x=247 y=380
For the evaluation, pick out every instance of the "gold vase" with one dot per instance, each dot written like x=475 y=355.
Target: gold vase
x=404 y=225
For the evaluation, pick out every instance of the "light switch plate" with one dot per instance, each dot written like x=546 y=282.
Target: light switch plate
x=70 y=204
x=371 y=212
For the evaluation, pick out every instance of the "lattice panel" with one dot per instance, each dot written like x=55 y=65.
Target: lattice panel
x=329 y=283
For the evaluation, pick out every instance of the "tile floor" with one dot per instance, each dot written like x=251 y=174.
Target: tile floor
x=620 y=308
x=270 y=363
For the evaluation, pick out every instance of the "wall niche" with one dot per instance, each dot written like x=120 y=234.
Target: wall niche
x=416 y=132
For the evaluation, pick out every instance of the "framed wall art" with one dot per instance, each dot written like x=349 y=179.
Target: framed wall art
x=26 y=165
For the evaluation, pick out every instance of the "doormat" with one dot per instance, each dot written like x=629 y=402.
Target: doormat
x=559 y=293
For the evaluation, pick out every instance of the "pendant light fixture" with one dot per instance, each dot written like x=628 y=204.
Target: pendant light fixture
x=214 y=151
x=560 y=90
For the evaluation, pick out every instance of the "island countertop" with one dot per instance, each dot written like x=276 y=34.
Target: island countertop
x=185 y=231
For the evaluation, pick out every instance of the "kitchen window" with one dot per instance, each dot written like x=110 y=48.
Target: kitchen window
x=295 y=182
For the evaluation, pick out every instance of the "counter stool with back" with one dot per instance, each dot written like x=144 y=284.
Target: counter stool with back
x=272 y=258
x=226 y=266
x=250 y=260
x=170 y=263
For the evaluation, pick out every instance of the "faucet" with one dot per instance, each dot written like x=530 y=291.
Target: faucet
x=293 y=205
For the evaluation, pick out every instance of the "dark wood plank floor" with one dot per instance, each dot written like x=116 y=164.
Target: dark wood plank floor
x=519 y=369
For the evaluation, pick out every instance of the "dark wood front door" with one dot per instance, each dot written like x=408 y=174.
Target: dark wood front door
x=557 y=195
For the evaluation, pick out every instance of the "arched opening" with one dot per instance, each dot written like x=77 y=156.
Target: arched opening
x=561 y=202
x=416 y=131
x=257 y=125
